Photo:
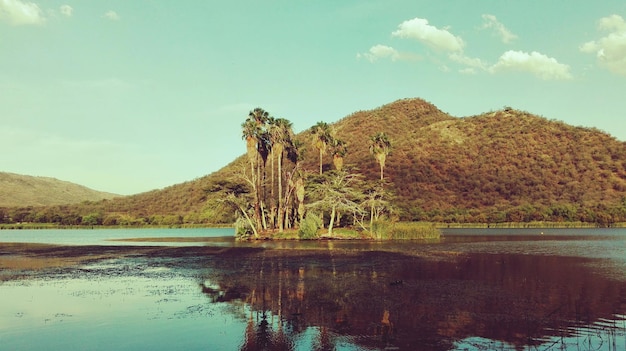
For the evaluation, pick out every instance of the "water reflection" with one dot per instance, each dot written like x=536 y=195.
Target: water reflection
x=459 y=294
x=379 y=300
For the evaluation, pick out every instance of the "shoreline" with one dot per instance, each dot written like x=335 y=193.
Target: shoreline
x=438 y=225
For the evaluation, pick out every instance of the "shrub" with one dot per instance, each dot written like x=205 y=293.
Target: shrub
x=243 y=230
x=405 y=230
x=309 y=227
x=414 y=230
x=380 y=229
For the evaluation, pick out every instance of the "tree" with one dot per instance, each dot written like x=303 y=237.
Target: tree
x=322 y=137
x=257 y=148
x=375 y=201
x=92 y=219
x=241 y=204
x=338 y=192
x=339 y=150
x=259 y=115
x=380 y=146
x=251 y=133
x=295 y=182
x=281 y=135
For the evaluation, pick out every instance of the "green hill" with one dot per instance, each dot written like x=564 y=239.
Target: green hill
x=506 y=165
x=23 y=190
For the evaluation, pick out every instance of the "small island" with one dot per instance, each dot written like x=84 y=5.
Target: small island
x=282 y=199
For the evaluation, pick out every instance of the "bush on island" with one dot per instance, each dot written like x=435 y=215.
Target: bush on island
x=309 y=227
x=243 y=230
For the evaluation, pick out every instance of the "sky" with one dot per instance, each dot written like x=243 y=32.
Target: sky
x=129 y=96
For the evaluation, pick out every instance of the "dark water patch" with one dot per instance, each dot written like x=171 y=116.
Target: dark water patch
x=383 y=299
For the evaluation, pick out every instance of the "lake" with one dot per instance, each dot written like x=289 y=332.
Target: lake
x=475 y=289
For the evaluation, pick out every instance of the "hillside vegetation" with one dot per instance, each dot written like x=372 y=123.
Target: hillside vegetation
x=23 y=190
x=506 y=165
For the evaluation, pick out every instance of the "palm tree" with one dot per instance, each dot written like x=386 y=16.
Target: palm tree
x=259 y=115
x=295 y=154
x=339 y=150
x=380 y=146
x=250 y=132
x=281 y=135
x=322 y=136
x=257 y=145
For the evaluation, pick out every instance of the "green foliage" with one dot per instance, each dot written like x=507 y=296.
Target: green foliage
x=243 y=230
x=309 y=227
x=92 y=219
x=381 y=229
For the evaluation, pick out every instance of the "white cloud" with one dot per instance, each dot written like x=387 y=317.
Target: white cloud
x=542 y=66
x=380 y=51
x=17 y=12
x=111 y=15
x=491 y=22
x=419 y=29
x=386 y=52
x=443 y=41
x=66 y=10
x=611 y=49
x=612 y=23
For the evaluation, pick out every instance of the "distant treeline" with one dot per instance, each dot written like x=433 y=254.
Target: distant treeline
x=598 y=216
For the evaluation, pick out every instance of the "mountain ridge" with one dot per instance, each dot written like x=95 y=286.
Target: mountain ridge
x=505 y=165
x=27 y=190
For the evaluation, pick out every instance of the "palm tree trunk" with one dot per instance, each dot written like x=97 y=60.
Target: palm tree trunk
x=258 y=208
x=263 y=220
x=332 y=221
x=280 y=193
x=273 y=211
x=372 y=219
x=321 y=161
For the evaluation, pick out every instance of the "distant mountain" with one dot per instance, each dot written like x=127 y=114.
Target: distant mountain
x=24 y=190
x=506 y=165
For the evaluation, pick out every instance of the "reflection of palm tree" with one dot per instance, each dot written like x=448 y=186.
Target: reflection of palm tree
x=323 y=342
x=386 y=327
x=262 y=337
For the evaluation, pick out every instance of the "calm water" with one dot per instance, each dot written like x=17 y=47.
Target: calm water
x=472 y=290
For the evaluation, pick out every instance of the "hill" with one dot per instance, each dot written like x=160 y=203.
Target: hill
x=506 y=165
x=506 y=162
x=23 y=190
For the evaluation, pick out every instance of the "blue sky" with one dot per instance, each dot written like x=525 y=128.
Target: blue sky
x=128 y=96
